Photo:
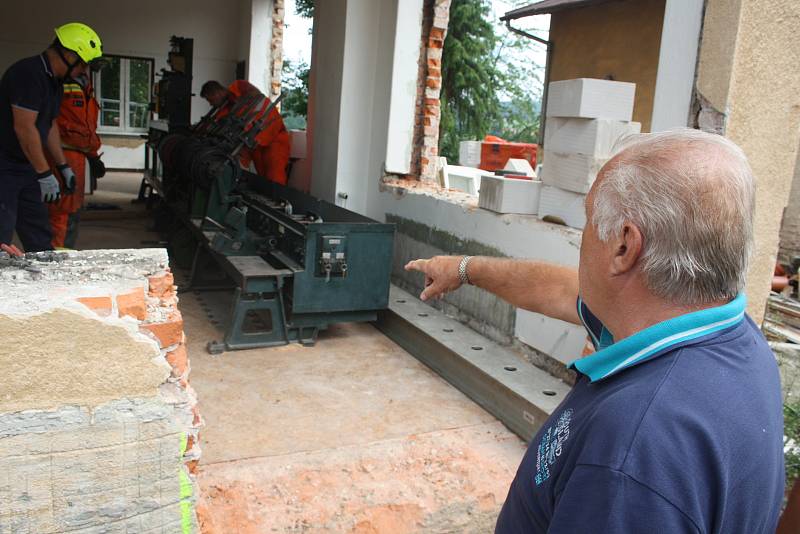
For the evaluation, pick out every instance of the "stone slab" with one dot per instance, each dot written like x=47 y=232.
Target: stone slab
x=590 y=98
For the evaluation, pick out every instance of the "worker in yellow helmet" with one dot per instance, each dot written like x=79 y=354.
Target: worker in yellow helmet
x=30 y=97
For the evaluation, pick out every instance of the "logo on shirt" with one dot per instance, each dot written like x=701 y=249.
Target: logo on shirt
x=551 y=446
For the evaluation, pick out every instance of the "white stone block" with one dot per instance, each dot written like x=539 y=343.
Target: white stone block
x=509 y=195
x=469 y=153
x=298 y=144
x=558 y=339
x=565 y=206
x=520 y=166
x=466 y=179
x=573 y=172
x=591 y=98
x=593 y=137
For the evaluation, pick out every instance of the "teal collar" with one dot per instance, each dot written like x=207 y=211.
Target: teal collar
x=655 y=340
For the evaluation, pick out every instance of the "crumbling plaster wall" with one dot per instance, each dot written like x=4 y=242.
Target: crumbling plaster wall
x=748 y=76
x=790 y=226
x=98 y=423
x=77 y=359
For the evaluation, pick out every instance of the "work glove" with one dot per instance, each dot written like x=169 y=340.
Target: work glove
x=49 y=186
x=69 y=178
x=97 y=168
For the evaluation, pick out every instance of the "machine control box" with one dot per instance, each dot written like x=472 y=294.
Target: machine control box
x=332 y=261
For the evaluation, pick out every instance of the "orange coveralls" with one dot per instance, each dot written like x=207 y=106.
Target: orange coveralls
x=271 y=156
x=77 y=124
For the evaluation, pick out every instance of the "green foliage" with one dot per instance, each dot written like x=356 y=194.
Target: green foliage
x=139 y=80
x=294 y=106
x=791 y=431
x=489 y=84
x=304 y=8
x=469 y=76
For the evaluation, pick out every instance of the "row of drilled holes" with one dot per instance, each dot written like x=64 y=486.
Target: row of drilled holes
x=510 y=368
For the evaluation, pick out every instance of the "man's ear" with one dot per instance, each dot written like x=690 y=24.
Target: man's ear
x=628 y=248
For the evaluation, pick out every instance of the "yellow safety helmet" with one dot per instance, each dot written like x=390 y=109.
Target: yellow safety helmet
x=81 y=39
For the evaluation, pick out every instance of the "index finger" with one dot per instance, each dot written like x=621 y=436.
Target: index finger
x=416 y=265
x=11 y=250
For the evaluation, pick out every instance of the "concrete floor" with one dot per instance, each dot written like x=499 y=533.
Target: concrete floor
x=351 y=435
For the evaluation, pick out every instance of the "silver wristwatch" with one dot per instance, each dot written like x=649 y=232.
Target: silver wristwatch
x=462 y=270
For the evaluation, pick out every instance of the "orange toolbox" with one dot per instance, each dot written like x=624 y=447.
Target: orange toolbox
x=496 y=152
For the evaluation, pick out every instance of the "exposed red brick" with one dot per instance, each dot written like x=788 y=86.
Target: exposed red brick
x=179 y=360
x=158 y=285
x=189 y=442
x=433 y=102
x=435 y=43
x=99 y=305
x=192 y=466
x=437 y=34
x=196 y=413
x=433 y=83
x=170 y=300
x=434 y=72
x=133 y=304
x=169 y=332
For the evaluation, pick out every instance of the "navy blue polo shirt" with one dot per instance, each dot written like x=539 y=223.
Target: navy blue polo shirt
x=677 y=428
x=28 y=84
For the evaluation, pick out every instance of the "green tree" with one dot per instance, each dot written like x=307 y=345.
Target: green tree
x=469 y=100
x=519 y=90
x=489 y=83
x=304 y=8
x=294 y=106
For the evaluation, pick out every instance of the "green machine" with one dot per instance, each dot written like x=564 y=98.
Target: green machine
x=295 y=264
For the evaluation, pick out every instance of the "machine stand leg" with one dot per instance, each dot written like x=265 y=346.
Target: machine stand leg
x=215 y=347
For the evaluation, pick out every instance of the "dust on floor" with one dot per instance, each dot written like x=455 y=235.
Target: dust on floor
x=353 y=435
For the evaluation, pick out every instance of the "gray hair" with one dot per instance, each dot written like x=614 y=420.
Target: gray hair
x=692 y=196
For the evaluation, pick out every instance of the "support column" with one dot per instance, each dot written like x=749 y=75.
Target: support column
x=747 y=89
x=677 y=64
x=259 y=64
x=359 y=94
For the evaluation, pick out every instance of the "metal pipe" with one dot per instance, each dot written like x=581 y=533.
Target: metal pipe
x=549 y=45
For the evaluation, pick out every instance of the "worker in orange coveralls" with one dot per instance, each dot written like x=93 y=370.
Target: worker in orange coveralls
x=271 y=156
x=77 y=124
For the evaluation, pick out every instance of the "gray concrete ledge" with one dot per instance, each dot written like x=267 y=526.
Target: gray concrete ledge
x=517 y=393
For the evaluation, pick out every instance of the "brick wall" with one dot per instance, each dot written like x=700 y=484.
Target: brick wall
x=436 y=14
x=276 y=49
x=98 y=420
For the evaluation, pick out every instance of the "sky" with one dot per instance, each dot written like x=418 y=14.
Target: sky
x=297 y=36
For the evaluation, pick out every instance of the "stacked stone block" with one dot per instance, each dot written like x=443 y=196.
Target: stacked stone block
x=585 y=119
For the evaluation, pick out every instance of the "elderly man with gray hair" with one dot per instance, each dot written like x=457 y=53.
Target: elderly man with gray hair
x=675 y=423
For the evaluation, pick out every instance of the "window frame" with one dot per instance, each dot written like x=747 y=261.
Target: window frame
x=124 y=101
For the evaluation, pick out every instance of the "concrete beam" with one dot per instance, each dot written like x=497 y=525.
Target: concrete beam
x=514 y=391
